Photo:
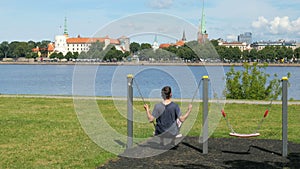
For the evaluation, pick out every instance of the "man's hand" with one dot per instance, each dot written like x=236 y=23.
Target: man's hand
x=190 y=107
x=146 y=107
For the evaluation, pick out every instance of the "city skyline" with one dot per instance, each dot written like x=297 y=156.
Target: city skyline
x=32 y=20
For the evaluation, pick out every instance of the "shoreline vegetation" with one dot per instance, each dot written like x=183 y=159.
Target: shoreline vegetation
x=143 y=63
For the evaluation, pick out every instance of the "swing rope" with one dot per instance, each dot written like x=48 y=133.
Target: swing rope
x=140 y=93
x=227 y=122
x=196 y=91
x=265 y=115
x=139 y=90
x=255 y=133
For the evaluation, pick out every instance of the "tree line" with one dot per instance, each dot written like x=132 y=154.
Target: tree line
x=18 y=49
x=189 y=52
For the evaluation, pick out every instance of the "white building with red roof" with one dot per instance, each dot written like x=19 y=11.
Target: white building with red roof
x=65 y=44
x=241 y=45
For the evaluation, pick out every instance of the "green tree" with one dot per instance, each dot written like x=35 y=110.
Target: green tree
x=146 y=54
x=114 y=55
x=32 y=55
x=171 y=49
x=83 y=55
x=214 y=42
x=289 y=53
x=125 y=54
x=161 y=55
x=134 y=47
x=54 y=55
x=253 y=55
x=4 y=49
x=203 y=51
x=222 y=51
x=251 y=83
x=145 y=46
x=60 y=55
x=95 y=51
x=297 y=53
x=68 y=56
x=236 y=53
x=75 y=55
x=281 y=52
x=30 y=45
x=186 y=53
x=20 y=49
x=245 y=55
x=268 y=53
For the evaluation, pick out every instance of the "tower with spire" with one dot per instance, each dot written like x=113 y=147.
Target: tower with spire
x=202 y=33
x=155 y=45
x=65 y=28
x=183 y=37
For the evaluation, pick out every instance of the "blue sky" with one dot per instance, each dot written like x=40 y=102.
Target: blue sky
x=39 y=20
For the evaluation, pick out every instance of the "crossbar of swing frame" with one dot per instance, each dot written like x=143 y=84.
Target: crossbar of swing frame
x=191 y=101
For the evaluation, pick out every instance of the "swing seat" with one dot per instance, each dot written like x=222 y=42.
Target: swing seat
x=244 y=135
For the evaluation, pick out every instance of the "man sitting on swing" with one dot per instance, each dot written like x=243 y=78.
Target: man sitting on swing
x=166 y=114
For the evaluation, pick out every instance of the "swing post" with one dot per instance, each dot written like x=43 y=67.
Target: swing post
x=205 y=115
x=284 y=117
x=129 y=111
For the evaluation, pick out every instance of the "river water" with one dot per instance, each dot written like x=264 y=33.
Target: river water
x=112 y=80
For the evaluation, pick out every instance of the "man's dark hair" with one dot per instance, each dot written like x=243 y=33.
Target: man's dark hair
x=166 y=92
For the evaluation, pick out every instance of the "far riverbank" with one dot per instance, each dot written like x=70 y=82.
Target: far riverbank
x=147 y=63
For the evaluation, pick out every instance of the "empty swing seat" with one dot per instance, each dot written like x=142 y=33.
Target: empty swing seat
x=244 y=135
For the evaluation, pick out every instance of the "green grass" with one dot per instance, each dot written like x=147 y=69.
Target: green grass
x=45 y=132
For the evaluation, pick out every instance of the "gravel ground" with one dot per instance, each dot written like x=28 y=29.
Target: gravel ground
x=222 y=153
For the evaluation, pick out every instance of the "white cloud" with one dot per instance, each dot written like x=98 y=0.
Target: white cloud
x=279 y=25
x=160 y=4
x=296 y=25
x=261 y=22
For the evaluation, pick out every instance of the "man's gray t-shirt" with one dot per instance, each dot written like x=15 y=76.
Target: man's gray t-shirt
x=166 y=116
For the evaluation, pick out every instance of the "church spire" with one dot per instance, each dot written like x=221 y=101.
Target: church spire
x=155 y=45
x=65 y=28
x=183 y=36
x=203 y=22
x=155 y=39
x=202 y=34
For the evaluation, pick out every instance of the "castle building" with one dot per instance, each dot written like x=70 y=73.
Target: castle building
x=65 y=44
